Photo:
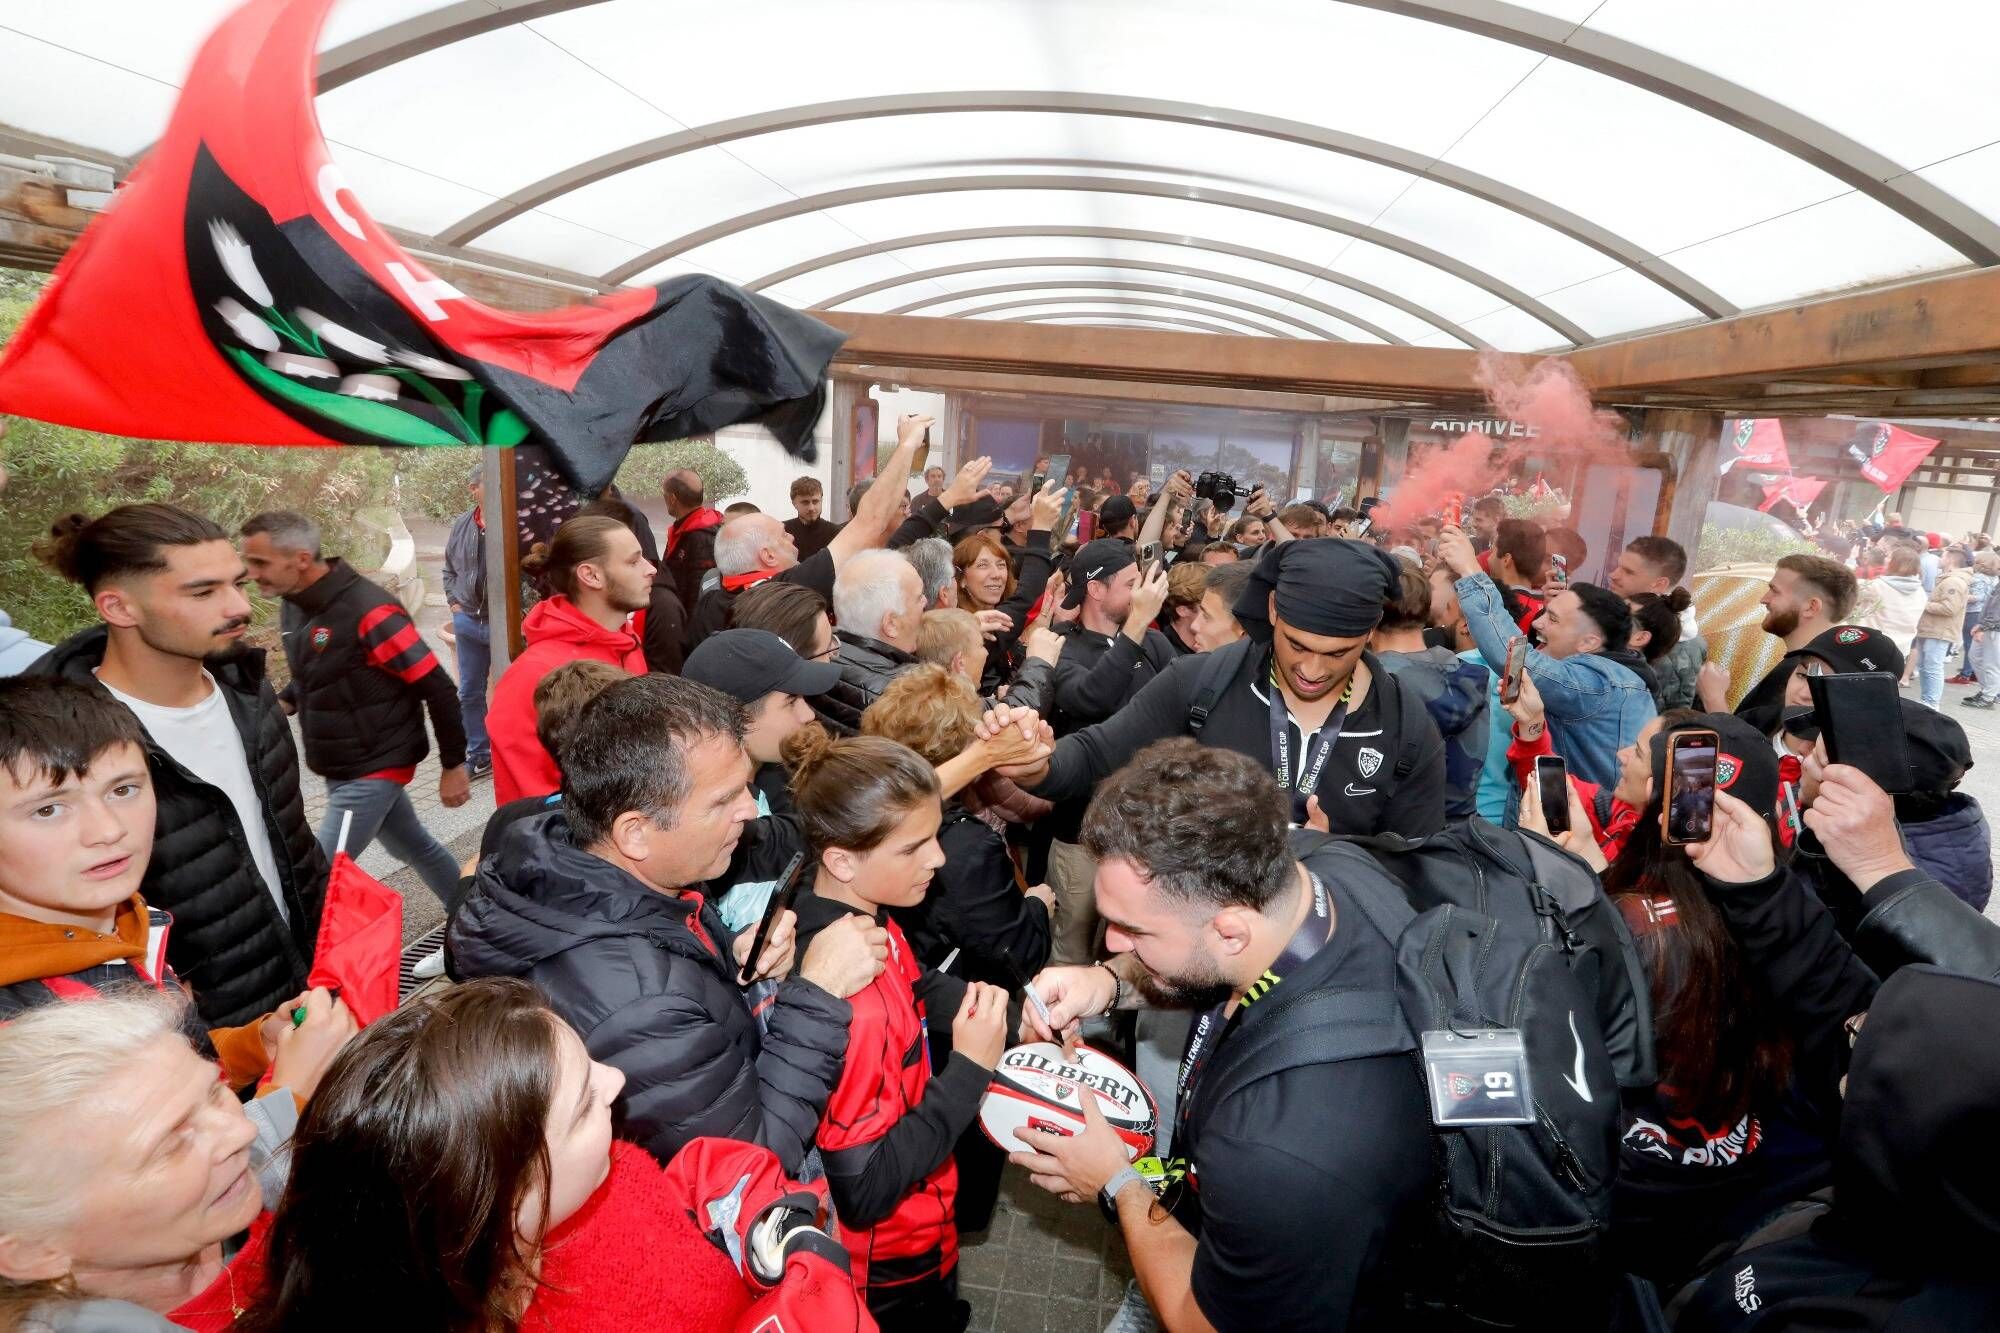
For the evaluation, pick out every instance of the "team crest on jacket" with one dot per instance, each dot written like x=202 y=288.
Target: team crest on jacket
x=321 y=638
x=1727 y=766
x=1850 y=635
x=1371 y=761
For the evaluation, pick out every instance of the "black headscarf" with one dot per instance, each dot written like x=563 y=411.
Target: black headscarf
x=1327 y=586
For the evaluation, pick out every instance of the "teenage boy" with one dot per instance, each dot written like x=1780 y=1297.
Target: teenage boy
x=237 y=863
x=76 y=835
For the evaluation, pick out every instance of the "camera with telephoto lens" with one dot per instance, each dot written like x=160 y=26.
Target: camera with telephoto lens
x=1219 y=489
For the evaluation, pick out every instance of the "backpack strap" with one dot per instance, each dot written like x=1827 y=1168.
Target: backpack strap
x=1411 y=717
x=1218 y=673
x=1317 y=1027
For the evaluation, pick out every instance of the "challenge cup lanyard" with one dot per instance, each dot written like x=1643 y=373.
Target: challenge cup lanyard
x=1318 y=750
x=1311 y=936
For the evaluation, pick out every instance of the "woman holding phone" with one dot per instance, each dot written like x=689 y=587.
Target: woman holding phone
x=1721 y=1139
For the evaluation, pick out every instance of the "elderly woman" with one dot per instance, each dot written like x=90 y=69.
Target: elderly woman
x=131 y=1177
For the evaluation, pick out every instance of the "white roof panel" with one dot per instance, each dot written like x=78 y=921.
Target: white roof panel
x=1602 y=178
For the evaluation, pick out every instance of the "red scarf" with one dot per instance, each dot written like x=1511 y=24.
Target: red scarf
x=738 y=582
x=698 y=521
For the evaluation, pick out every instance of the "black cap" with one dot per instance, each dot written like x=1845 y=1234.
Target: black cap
x=973 y=515
x=1745 y=764
x=1094 y=561
x=748 y=664
x=1939 y=751
x=1851 y=649
x=1116 y=512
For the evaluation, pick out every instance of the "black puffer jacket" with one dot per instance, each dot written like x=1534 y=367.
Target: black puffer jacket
x=646 y=980
x=230 y=946
x=866 y=668
x=362 y=676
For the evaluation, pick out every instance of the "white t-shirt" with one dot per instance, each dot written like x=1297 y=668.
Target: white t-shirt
x=204 y=740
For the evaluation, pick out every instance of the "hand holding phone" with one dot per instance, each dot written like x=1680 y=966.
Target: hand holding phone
x=1687 y=813
x=1517 y=662
x=1552 y=787
x=782 y=898
x=1149 y=559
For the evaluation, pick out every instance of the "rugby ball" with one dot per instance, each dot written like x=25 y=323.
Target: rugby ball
x=1038 y=1087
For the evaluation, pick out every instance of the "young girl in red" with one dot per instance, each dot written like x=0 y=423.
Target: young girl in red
x=871 y=810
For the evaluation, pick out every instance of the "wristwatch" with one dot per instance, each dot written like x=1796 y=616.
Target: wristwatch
x=1107 y=1198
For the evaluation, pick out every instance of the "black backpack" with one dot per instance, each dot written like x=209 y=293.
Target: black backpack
x=1517 y=1227
x=1528 y=882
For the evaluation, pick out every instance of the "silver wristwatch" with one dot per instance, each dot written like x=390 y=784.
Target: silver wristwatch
x=1107 y=1198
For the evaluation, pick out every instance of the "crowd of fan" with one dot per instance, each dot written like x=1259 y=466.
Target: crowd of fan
x=1162 y=773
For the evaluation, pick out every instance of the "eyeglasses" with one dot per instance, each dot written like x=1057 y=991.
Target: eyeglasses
x=831 y=649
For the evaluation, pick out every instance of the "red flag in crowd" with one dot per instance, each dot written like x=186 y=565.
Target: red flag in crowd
x=1889 y=454
x=1801 y=491
x=360 y=940
x=237 y=292
x=1757 y=443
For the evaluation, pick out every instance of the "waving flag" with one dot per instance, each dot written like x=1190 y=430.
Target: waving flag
x=237 y=292
x=1889 y=454
x=1799 y=492
x=1757 y=443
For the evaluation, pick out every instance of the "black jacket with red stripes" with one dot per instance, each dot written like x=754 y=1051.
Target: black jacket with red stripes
x=361 y=677
x=888 y=1131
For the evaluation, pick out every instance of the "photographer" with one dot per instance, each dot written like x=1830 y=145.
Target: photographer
x=1300 y=694
x=1299 y=1195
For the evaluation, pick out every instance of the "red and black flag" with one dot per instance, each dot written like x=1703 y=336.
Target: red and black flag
x=236 y=292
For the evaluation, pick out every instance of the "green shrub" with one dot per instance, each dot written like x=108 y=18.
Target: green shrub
x=1746 y=546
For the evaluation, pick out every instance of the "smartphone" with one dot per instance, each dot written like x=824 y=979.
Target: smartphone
x=1086 y=526
x=1552 y=785
x=781 y=902
x=1861 y=720
x=921 y=462
x=1688 y=813
x=1559 y=570
x=1517 y=662
x=1058 y=469
x=1149 y=558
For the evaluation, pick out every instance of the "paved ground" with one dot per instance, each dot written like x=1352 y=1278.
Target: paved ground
x=1044 y=1266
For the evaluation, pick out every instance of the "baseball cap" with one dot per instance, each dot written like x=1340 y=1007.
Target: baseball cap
x=1094 y=560
x=1939 y=752
x=983 y=512
x=1116 y=512
x=1849 y=649
x=1745 y=765
x=748 y=664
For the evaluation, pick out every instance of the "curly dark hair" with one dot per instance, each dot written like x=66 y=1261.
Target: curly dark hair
x=1205 y=825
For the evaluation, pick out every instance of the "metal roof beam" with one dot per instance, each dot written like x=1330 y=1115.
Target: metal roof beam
x=904 y=189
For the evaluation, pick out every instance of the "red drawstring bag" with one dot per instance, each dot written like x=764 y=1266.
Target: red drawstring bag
x=360 y=940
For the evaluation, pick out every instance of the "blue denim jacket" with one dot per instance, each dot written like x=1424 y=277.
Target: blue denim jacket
x=1595 y=706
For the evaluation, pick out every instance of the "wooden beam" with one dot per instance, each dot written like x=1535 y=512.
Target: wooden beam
x=996 y=382
x=1690 y=439
x=1953 y=316
x=1417 y=374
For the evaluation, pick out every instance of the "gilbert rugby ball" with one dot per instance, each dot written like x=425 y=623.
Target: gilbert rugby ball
x=1038 y=1087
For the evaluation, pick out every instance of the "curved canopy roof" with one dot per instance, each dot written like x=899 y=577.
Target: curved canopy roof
x=1442 y=173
